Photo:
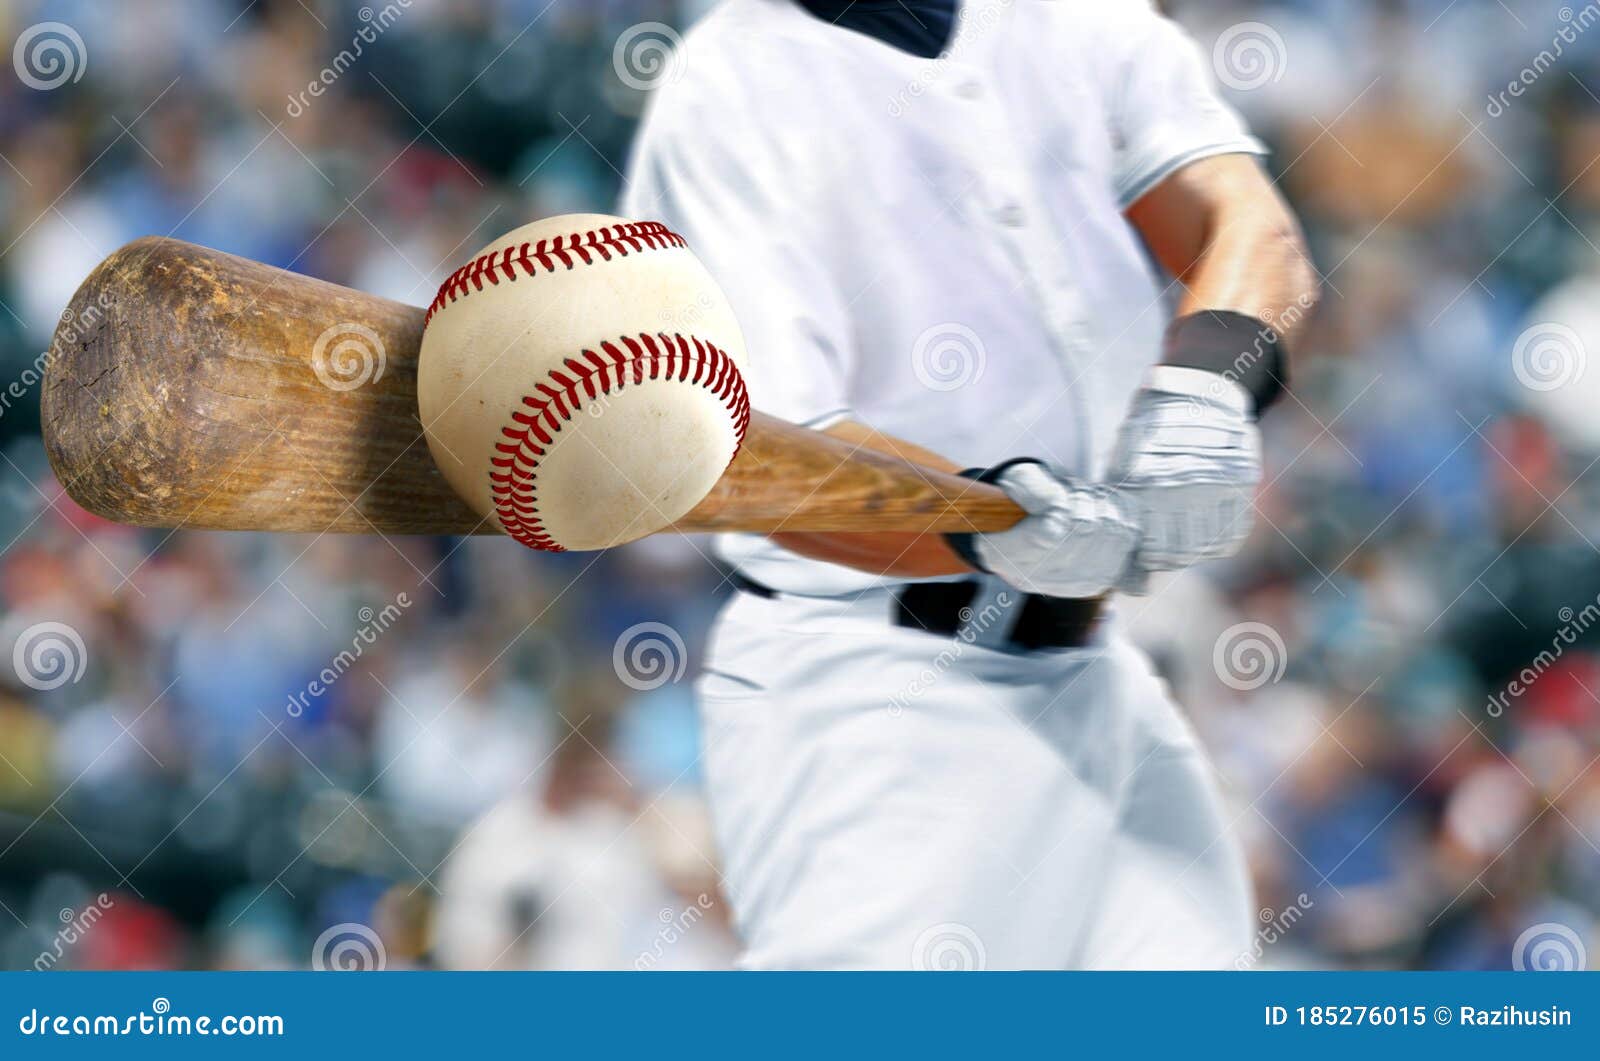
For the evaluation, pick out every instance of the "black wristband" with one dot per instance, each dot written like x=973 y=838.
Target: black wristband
x=1247 y=350
x=965 y=544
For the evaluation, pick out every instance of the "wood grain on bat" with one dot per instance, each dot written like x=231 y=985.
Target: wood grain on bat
x=182 y=390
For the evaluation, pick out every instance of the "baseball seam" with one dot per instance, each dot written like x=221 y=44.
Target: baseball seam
x=685 y=359
x=547 y=254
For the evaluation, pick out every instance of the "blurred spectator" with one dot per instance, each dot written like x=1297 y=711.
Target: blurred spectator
x=561 y=877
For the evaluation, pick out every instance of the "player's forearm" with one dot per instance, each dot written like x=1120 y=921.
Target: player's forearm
x=898 y=554
x=1257 y=266
x=1222 y=229
x=1188 y=454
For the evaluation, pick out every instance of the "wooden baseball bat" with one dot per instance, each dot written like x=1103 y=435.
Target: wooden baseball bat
x=190 y=388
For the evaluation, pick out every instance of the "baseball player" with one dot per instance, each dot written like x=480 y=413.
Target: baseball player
x=935 y=222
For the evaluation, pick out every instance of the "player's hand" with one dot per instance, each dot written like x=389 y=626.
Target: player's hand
x=1076 y=541
x=1189 y=458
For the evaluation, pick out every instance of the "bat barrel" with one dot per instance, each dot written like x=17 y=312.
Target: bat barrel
x=187 y=387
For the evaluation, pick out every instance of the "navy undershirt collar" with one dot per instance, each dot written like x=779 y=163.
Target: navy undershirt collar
x=920 y=27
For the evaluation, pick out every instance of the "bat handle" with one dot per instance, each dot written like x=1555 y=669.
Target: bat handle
x=965 y=506
x=787 y=479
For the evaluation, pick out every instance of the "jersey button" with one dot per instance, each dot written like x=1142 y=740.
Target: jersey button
x=969 y=90
x=1010 y=215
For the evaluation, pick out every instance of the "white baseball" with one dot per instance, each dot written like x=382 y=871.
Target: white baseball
x=581 y=383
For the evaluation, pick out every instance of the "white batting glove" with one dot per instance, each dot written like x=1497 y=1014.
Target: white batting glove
x=1076 y=541
x=1189 y=457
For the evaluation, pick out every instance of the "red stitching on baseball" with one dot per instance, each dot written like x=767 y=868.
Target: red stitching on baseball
x=549 y=254
x=512 y=474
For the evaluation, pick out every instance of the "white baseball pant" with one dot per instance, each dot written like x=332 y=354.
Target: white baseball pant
x=885 y=798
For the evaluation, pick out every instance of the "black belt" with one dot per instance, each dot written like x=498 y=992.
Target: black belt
x=1030 y=621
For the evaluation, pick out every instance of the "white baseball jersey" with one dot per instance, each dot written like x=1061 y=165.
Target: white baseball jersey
x=934 y=247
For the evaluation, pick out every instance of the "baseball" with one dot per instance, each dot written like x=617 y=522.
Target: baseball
x=581 y=381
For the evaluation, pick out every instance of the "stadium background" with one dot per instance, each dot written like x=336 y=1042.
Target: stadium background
x=1427 y=536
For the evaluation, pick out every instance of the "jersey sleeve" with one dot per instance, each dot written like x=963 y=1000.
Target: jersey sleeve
x=716 y=179
x=1164 y=105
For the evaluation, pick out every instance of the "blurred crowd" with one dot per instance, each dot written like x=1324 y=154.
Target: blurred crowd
x=1398 y=679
